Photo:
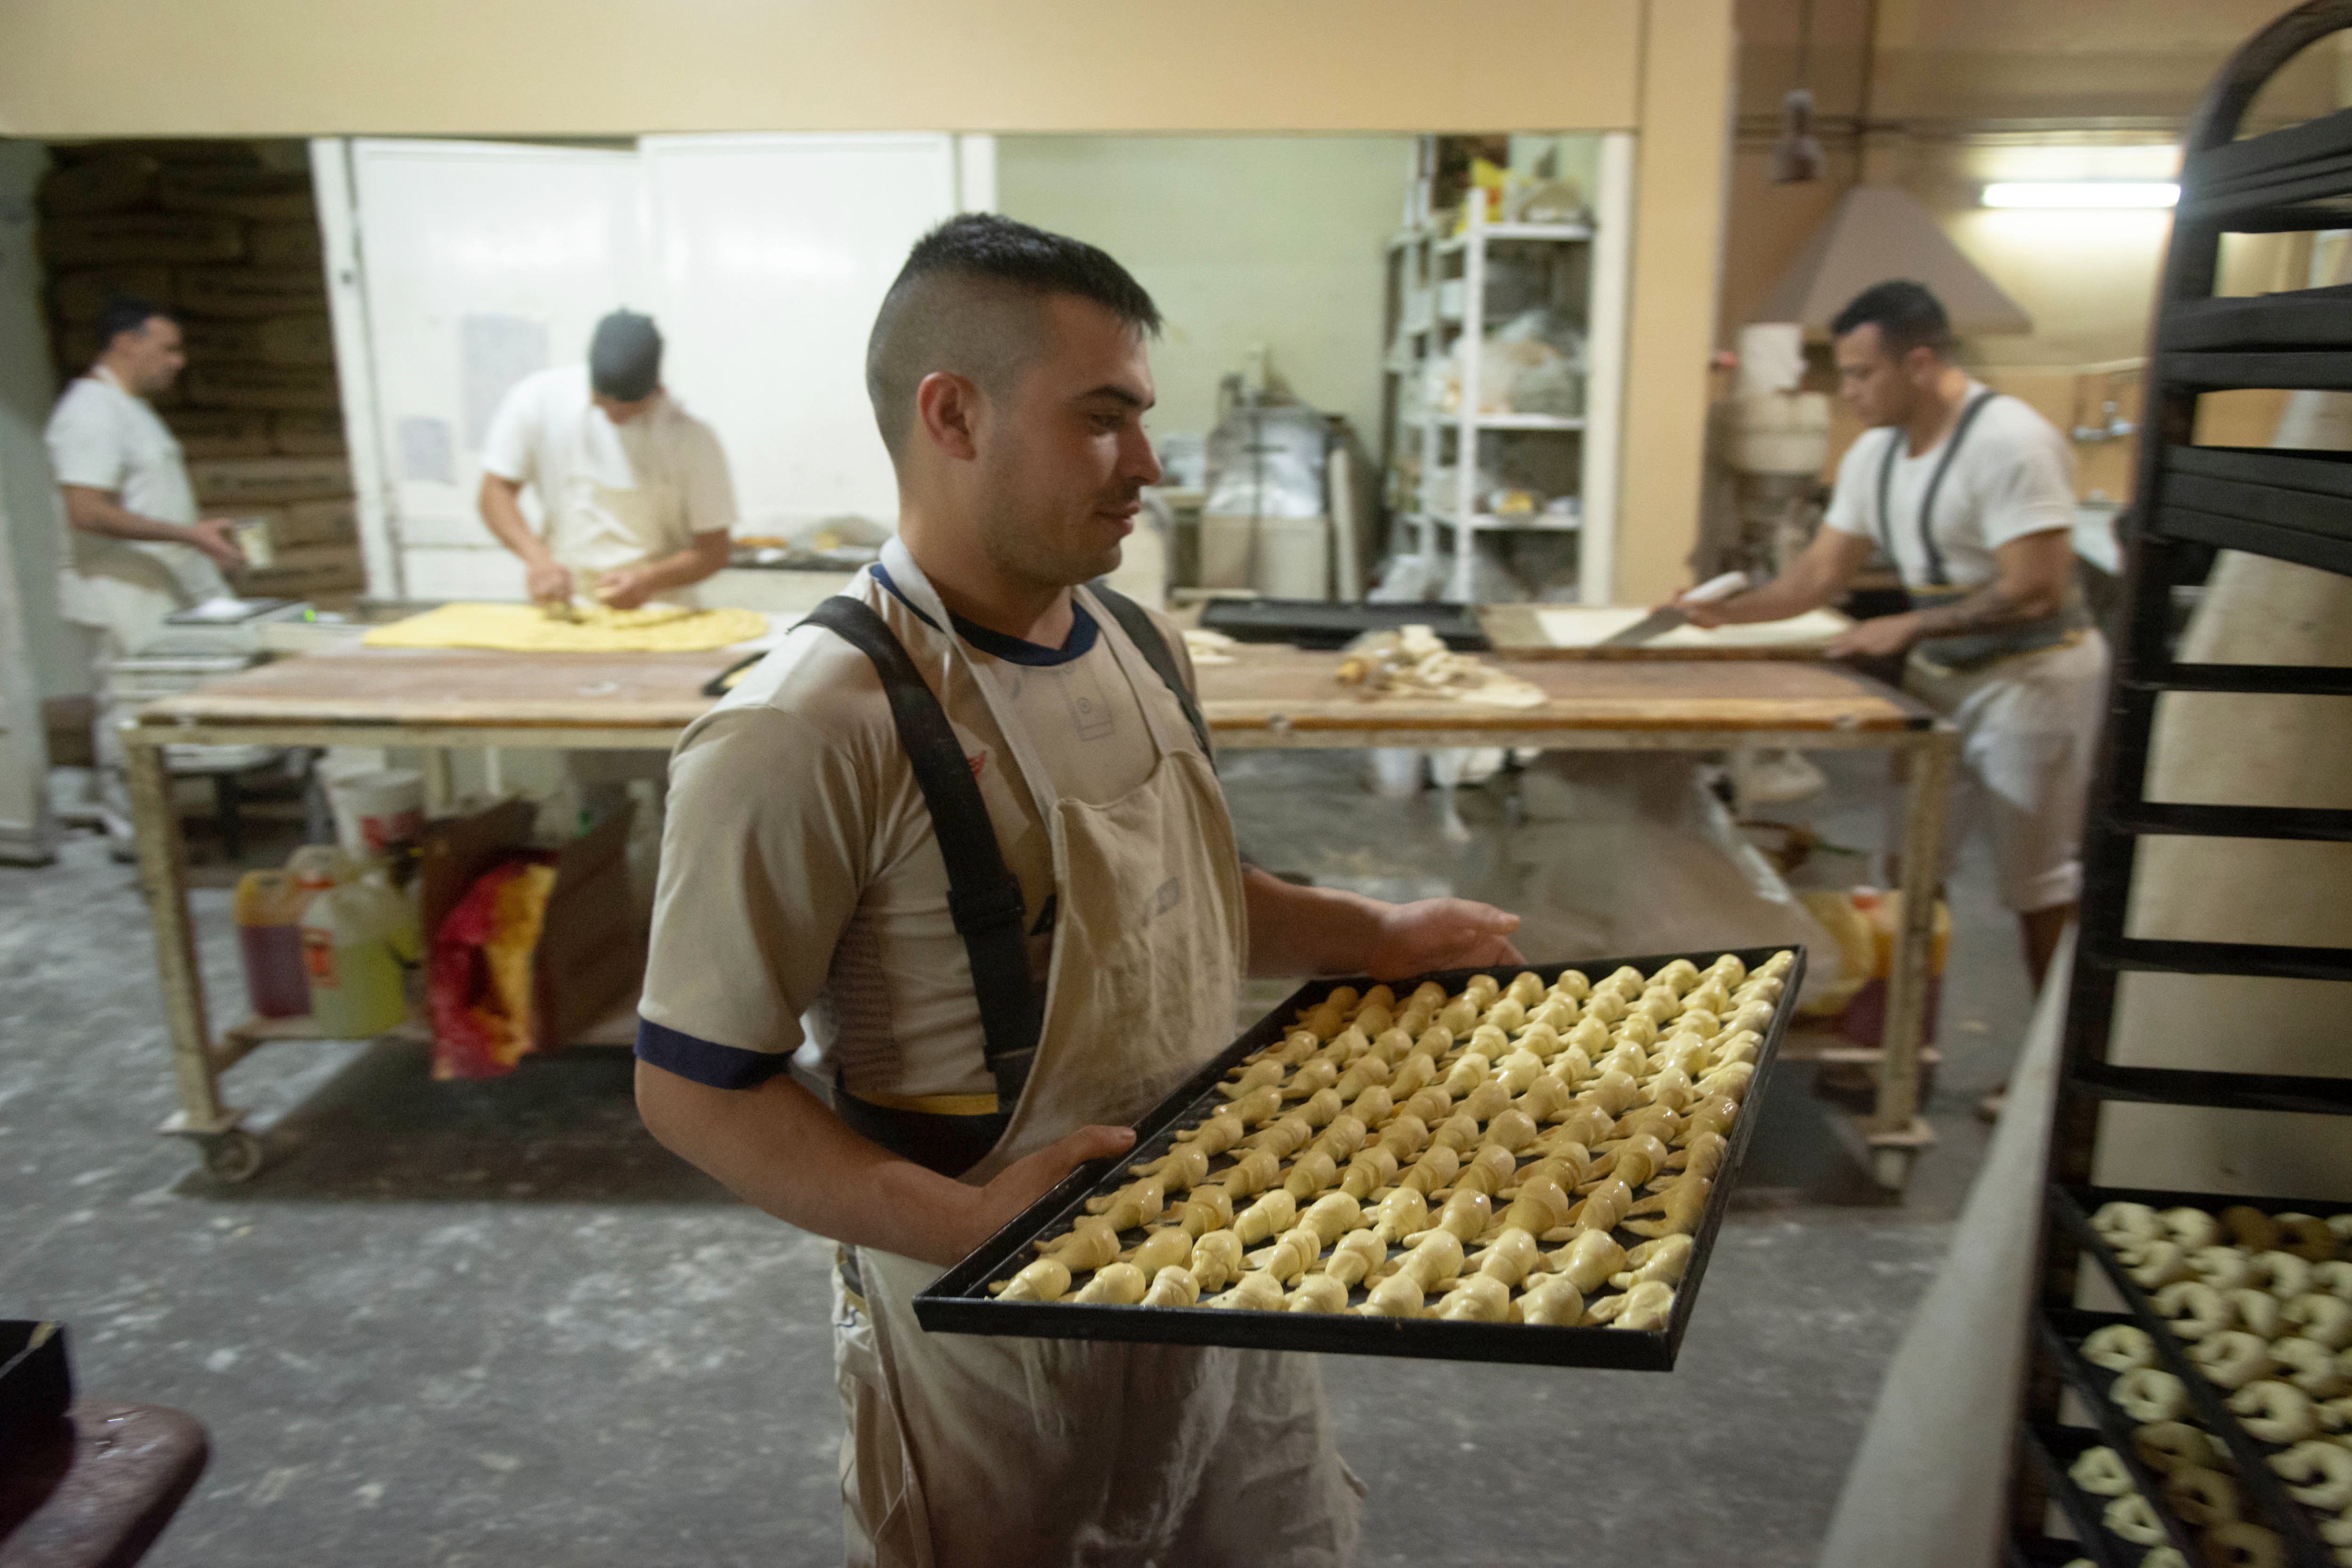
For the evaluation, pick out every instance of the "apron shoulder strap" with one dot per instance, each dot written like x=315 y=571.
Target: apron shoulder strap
x=1885 y=518
x=1146 y=635
x=1936 y=573
x=983 y=896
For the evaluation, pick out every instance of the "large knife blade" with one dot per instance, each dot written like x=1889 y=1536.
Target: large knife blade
x=1659 y=622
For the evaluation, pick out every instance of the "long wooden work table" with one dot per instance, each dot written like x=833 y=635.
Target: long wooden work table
x=1268 y=697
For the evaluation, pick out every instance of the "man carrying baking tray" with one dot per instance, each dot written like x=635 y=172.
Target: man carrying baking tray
x=633 y=491
x=1971 y=494
x=965 y=819
x=136 y=551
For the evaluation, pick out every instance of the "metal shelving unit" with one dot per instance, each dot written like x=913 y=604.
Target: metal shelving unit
x=2289 y=505
x=1438 y=299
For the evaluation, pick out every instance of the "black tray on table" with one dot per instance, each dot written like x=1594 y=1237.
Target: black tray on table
x=958 y=1302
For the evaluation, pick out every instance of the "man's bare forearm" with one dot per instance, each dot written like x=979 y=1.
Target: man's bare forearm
x=684 y=568
x=1305 y=931
x=1994 y=607
x=779 y=1149
x=502 y=514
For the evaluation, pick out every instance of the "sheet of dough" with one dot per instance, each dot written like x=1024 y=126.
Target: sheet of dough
x=525 y=629
x=1580 y=625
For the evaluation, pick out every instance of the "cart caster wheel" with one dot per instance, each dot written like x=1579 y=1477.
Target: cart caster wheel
x=232 y=1157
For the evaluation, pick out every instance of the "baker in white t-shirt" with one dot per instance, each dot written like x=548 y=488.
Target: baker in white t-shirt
x=633 y=491
x=1971 y=494
x=961 y=831
x=135 y=548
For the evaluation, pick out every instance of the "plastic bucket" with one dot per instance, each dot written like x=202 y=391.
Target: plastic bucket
x=376 y=810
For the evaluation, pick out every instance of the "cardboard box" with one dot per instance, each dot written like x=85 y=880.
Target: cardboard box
x=269 y=482
x=591 y=948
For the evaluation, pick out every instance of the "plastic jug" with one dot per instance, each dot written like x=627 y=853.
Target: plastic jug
x=269 y=909
x=354 y=934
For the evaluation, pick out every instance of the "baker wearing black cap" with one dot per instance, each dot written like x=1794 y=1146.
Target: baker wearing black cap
x=634 y=491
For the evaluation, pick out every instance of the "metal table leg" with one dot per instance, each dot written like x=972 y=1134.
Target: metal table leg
x=1897 y=1132
x=229 y=1150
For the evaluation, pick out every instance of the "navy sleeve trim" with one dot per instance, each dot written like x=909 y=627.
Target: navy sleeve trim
x=705 y=1061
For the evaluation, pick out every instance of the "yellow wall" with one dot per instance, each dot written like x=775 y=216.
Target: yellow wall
x=291 y=68
x=1242 y=241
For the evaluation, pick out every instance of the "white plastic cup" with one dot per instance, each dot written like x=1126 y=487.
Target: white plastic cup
x=1394 y=773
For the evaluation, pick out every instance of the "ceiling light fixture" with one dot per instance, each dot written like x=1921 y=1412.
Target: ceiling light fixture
x=2081 y=195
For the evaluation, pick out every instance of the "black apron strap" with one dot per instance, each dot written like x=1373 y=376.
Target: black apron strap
x=1936 y=574
x=1146 y=635
x=1886 y=495
x=983 y=896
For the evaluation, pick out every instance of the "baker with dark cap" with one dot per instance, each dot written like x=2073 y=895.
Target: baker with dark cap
x=634 y=491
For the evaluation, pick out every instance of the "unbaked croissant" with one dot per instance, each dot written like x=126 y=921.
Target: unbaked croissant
x=1047 y=1279
x=1679 y=1208
x=1435 y=1169
x=1345 y=1134
x=1356 y=1255
x=1482 y=1103
x=1588 y=1261
x=1134 y=1204
x=1703 y=1156
x=1184 y=1166
x=1464 y=1215
x=1510 y=1258
x=1405 y=1136
x=1254 y=1292
x=1488 y=1170
x=1294 y=1252
x=1217 y=1258
x=1172 y=1288
x=1375 y=1167
x=1398 y=1296
x=1479 y=1297
x=1165 y=1249
x=1552 y=1301
x=1313 y=1171
x=1271 y=1213
x=1434 y=1261
x=1251 y=1174
x=1114 y=1285
x=1645 y=1308
x=1662 y=1261
x=1318 y=1293
x=1603 y=1207
x=1206 y=1209
x=1090 y=1244
x=1332 y=1215
x=1402 y=1212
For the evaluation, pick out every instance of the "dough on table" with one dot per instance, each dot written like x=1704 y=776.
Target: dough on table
x=527 y=628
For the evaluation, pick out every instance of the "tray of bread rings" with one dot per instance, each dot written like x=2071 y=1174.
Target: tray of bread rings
x=1469 y=1166
x=2224 y=1392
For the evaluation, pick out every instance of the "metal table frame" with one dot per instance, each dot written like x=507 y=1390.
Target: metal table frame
x=1887 y=1139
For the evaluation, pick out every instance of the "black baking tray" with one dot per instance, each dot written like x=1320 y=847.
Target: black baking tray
x=958 y=1302
x=1313 y=624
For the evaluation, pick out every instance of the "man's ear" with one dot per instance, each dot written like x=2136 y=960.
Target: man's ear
x=947 y=411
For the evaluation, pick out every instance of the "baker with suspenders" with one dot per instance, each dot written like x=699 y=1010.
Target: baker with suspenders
x=1971 y=494
x=961 y=834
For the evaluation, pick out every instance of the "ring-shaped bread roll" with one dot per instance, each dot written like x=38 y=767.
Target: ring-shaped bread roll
x=2133 y=1517
x=2282 y=1274
x=2310 y=1366
x=2164 y=1557
x=2336 y=1278
x=2335 y=1415
x=2122 y=1219
x=2251 y=1227
x=2321 y=1472
x=2233 y=1359
x=2155 y=1263
x=2148 y=1395
x=2201 y=1495
x=2100 y=1471
x=2307 y=1235
x=2192 y=1228
x=2243 y=1545
x=2120 y=1347
x=2275 y=1412
x=2167 y=1445
x=2223 y=1268
x=2195 y=1309
x=2327 y=1319
x=2257 y=1312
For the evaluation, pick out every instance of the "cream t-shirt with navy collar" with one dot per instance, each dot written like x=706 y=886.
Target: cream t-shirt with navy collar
x=801 y=892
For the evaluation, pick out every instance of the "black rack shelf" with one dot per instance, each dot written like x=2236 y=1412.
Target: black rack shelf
x=2061 y=1334
x=2288 y=505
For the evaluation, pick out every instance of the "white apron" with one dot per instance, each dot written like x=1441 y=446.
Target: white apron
x=964 y=1452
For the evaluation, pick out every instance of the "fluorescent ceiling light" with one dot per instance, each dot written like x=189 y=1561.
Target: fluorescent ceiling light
x=2078 y=195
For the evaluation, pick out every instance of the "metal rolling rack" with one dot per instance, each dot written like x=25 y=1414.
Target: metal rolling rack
x=2290 y=506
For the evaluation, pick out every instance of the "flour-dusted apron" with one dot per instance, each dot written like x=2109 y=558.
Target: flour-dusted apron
x=964 y=1451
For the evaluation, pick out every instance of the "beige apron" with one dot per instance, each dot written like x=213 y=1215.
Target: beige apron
x=971 y=1451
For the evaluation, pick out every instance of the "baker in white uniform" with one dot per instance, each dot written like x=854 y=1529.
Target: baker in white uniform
x=1971 y=493
x=633 y=491
x=135 y=548
x=962 y=829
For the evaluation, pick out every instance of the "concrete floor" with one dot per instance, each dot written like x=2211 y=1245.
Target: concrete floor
x=457 y=1324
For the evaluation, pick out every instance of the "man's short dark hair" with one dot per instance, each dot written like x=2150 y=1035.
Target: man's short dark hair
x=964 y=303
x=1907 y=315
x=125 y=313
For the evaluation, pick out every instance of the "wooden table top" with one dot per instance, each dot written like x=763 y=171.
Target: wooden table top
x=1265 y=687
